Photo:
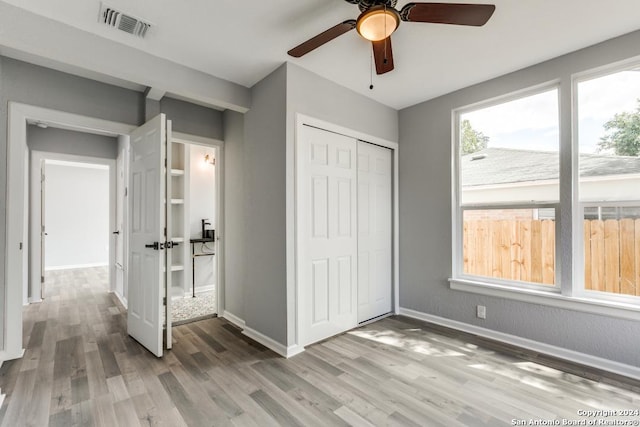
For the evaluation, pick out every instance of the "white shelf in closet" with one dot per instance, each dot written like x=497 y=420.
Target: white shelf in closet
x=180 y=170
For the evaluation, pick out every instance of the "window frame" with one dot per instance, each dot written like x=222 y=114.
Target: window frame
x=458 y=208
x=578 y=282
x=566 y=294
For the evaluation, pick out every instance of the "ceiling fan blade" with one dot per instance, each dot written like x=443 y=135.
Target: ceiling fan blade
x=322 y=38
x=448 y=13
x=383 y=55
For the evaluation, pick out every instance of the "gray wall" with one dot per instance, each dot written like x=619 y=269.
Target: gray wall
x=315 y=96
x=265 y=302
x=235 y=260
x=52 y=140
x=425 y=219
x=193 y=119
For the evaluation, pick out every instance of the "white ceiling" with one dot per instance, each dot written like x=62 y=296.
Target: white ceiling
x=243 y=41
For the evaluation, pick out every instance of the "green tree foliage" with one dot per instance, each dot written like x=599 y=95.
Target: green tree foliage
x=472 y=140
x=622 y=134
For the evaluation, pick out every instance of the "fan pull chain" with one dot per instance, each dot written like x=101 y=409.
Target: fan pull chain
x=371 y=72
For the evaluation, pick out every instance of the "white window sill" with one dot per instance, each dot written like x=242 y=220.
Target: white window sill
x=587 y=305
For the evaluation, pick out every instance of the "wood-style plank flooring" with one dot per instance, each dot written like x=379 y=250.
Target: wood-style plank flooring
x=81 y=368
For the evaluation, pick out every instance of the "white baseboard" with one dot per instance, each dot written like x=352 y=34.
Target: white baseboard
x=263 y=339
x=205 y=288
x=74 y=266
x=122 y=300
x=233 y=319
x=292 y=350
x=270 y=343
x=551 y=350
x=4 y=355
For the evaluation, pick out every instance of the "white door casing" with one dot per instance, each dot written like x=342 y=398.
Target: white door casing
x=19 y=116
x=329 y=234
x=146 y=226
x=120 y=231
x=43 y=225
x=168 y=233
x=375 y=274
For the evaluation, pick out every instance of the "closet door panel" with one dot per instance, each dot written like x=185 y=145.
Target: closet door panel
x=328 y=274
x=375 y=273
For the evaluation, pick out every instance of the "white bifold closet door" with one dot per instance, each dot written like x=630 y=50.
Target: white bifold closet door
x=345 y=219
x=374 y=231
x=330 y=269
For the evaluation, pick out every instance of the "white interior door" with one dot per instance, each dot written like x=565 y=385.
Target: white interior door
x=146 y=230
x=375 y=275
x=328 y=276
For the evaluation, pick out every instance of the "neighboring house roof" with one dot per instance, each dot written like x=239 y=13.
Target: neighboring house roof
x=507 y=165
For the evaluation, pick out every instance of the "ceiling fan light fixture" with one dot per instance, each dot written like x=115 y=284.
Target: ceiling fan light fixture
x=377 y=23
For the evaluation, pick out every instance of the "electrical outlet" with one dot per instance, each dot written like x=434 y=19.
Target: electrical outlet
x=481 y=311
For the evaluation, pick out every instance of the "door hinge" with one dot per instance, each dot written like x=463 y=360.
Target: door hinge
x=42 y=180
x=164 y=300
x=41 y=279
x=20 y=245
x=126 y=191
x=165 y=232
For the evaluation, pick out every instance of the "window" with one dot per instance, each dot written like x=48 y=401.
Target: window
x=509 y=189
x=508 y=196
x=609 y=181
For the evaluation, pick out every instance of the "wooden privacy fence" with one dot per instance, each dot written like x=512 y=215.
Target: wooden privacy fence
x=509 y=249
x=525 y=250
x=612 y=256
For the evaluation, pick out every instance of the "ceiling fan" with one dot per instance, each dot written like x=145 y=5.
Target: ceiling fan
x=379 y=19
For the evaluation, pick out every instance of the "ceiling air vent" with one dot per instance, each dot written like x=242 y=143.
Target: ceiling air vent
x=127 y=23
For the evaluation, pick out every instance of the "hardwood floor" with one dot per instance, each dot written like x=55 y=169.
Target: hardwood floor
x=81 y=368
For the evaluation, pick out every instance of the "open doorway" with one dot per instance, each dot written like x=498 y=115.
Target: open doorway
x=75 y=224
x=194 y=292
x=153 y=136
x=71 y=208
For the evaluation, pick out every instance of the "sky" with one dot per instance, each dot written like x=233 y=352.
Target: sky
x=532 y=122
